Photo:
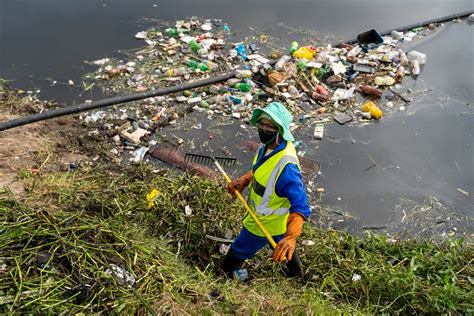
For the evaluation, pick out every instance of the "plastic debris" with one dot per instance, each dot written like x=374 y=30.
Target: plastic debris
x=323 y=83
x=318 y=131
x=122 y=276
x=139 y=154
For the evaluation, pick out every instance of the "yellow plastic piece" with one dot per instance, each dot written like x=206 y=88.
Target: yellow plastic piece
x=374 y=110
x=305 y=52
x=151 y=198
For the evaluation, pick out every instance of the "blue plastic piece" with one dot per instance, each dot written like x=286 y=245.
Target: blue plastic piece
x=241 y=275
x=241 y=51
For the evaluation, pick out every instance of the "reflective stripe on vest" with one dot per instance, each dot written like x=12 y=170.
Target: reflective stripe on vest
x=271 y=209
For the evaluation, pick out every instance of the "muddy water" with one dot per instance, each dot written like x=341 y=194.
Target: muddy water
x=425 y=151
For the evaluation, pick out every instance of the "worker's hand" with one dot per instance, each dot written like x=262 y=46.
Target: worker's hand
x=286 y=246
x=240 y=183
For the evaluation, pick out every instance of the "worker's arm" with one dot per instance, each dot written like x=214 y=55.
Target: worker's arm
x=240 y=183
x=290 y=185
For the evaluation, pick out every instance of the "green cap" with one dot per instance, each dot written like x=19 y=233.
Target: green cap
x=279 y=115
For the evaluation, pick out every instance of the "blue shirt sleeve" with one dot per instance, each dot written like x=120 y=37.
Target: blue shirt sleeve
x=290 y=185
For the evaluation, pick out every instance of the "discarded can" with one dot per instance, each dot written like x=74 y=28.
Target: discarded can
x=371 y=91
x=374 y=110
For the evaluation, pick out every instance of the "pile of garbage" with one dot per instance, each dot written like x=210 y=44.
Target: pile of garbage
x=317 y=84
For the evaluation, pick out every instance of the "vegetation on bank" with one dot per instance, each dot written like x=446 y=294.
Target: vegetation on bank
x=87 y=242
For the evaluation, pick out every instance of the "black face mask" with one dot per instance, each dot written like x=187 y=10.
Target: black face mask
x=267 y=138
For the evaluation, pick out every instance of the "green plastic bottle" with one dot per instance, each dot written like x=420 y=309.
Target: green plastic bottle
x=195 y=65
x=172 y=32
x=243 y=86
x=195 y=47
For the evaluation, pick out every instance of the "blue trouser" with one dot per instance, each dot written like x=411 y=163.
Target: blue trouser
x=246 y=245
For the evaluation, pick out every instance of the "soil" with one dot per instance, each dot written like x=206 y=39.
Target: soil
x=19 y=148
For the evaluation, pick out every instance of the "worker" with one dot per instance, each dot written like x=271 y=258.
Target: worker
x=277 y=195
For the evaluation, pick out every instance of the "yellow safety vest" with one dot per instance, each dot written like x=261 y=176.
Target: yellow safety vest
x=271 y=210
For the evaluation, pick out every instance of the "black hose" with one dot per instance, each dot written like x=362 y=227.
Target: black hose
x=422 y=24
x=143 y=95
x=111 y=101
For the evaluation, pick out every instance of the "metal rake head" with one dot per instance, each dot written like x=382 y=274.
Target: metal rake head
x=209 y=161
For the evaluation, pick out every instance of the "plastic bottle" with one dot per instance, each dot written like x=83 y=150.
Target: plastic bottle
x=195 y=65
x=195 y=47
x=371 y=91
x=374 y=110
x=384 y=81
x=243 y=73
x=211 y=65
x=243 y=86
x=281 y=62
x=172 y=32
x=294 y=47
x=178 y=72
x=317 y=96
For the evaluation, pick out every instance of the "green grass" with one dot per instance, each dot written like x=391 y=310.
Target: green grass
x=59 y=241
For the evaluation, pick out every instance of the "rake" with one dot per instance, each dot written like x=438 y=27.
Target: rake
x=209 y=161
x=230 y=162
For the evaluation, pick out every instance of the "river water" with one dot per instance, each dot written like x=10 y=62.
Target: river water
x=423 y=152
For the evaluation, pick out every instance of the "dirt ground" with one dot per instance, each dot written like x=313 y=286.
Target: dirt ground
x=21 y=148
